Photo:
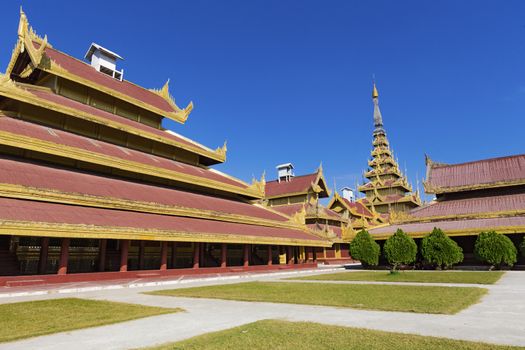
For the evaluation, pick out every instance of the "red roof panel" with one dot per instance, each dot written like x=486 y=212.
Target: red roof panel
x=20 y=127
x=45 y=177
x=22 y=210
x=359 y=207
x=290 y=209
x=52 y=97
x=455 y=225
x=474 y=205
x=482 y=172
x=297 y=184
x=85 y=71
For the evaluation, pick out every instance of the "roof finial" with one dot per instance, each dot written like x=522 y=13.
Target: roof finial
x=375 y=94
x=378 y=119
x=23 y=25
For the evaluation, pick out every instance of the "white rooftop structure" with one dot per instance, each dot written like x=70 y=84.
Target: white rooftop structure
x=285 y=172
x=104 y=61
x=348 y=193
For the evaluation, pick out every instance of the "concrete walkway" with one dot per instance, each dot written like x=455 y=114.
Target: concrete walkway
x=499 y=318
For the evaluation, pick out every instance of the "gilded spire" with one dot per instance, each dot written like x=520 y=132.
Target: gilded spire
x=378 y=119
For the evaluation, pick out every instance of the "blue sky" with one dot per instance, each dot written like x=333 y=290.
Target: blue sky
x=290 y=81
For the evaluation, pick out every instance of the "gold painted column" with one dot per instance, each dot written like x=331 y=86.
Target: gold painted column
x=282 y=255
x=337 y=251
x=306 y=255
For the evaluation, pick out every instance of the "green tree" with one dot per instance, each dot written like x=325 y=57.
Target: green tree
x=365 y=249
x=522 y=247
x=399 y=249
x=440 y=250
x=495 y=249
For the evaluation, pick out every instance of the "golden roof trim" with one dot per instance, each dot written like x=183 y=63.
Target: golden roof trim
x=60 y=230
x=257 y=186
x=165 y=94
x=453 y=217
x=439 y=190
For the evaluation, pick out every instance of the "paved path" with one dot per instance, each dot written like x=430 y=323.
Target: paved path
x=499 y=318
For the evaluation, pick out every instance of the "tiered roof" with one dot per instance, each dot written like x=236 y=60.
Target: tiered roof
x=59 y=179
x=45 y=97
x=42 y=57
x=298 y=185
x=482 y=174
x=298 y=198
x=384 y=175
x=472 y=197
x=358 y=214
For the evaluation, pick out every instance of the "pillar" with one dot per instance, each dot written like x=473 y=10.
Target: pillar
x=163 y=256
x=64 y=256
x=124 y=248
x=337 y=251
x=314 y=254
x=302 y=255
x=142 y=246
x=306 y=255
x=44 y=249
x=246 y=255
x=282 y=256
x=224 y=256
x=289 y=255
x=202 y=258
x=102 y=254
x=173 y=255
x=196 y=255
x=269 y=257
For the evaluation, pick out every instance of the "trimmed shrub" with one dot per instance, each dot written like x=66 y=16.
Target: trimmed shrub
x=365 y=249
x=440 y=250
x=495 y=249
x=400 y=249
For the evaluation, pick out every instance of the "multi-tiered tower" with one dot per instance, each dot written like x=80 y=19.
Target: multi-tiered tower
x=387 y=189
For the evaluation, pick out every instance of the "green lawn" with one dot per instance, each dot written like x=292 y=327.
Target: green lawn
x=30 y=319
x=275 y=335
x=478 y=277
x=422 y=299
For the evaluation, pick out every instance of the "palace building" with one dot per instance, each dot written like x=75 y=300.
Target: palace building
x=472 y=197
x=298 y=197
x=387 y=190
x=92 y=186
x=360 y=217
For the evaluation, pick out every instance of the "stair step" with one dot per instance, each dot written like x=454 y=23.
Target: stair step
x=21 y=283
